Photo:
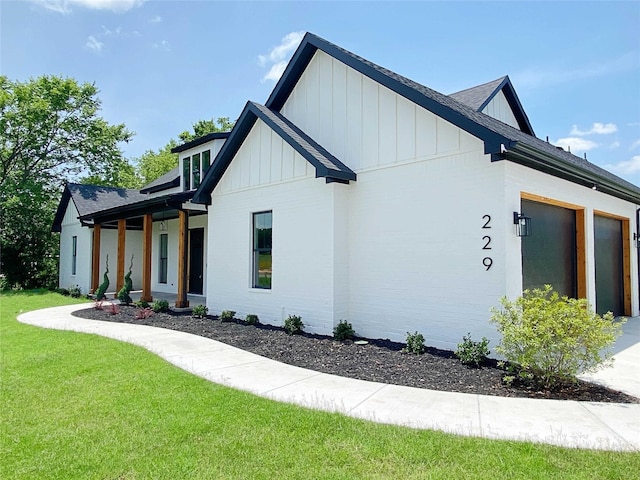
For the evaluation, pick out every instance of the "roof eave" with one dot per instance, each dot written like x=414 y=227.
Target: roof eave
x=532 y=157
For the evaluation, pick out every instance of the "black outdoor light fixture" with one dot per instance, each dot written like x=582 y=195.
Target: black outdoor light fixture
x=523 y=224
x=636 y=239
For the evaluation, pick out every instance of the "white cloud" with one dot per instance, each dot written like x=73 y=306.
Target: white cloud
x=163 y=44
x=94 y=44
x=65 y=6
x=596 y=129
x=614 y=145
x=635 y=145
x=576 y=144
x=279 y=55
x=625 y=167
x=156 y=19
x=111 y=33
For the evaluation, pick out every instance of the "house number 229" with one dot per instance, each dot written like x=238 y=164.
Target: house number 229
x=487 y=261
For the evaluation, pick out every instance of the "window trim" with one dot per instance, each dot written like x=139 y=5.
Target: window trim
x=256 y=251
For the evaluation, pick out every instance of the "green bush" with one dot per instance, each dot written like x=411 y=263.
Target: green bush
x=160 y=306
x=63 y=291
x=142 y=304
x=415 y=343
x=252 y=319
x=293 y=324
x=343 y=331
x=472 y=353
x=199 y=311
x=74 y=291
x=552 y=338
x=227 y=315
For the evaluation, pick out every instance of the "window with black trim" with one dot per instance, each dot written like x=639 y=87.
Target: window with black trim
x=195 y=168
x=186 y=173
x=164 y=257
x=262 y=222
x=74 y=254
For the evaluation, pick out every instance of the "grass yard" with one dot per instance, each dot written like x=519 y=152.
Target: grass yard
x=81 y=406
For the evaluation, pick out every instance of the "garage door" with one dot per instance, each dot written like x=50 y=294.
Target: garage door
x=609 y=265
x=549 y=253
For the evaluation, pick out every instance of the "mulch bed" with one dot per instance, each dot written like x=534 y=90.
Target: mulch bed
x=378 y=361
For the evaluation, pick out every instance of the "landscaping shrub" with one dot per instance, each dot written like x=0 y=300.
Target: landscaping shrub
x=63 y=291
x=142 y=304
x=343 y=331
x=160 y=306
x=113 y=309
x=552 y=338
x=74 y=291
x=143 y=313
x=472 y=353
x=252 y=319
x=199 y=311
x=227 y=315
x=102 y=289
x=293 y=324
x=98 y=305
x=415 y=343
x=123 y=294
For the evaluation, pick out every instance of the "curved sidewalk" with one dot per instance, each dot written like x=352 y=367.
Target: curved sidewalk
x=602 y=426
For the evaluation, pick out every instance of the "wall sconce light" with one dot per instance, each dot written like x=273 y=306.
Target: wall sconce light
x=523 y=224
x=636 y=239
x=163 y=226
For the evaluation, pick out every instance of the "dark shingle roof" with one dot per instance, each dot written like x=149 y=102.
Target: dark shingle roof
x=496 y=135
x=168 y=180
x=90 y=199
x=200 y=140
x=326 y=165
x=478 y=97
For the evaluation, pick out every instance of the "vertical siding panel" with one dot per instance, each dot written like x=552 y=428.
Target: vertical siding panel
x=322 y=132
x=387 y=126
x=299 y=165
x=276 y=157
x=353 y=155
x=253 y=141
x=406 y=129
x=311 y=119
x=287 y=162
x=339 y=122
x=369 y=123
x=425 y=133
x=265 y=153
x=447 y=139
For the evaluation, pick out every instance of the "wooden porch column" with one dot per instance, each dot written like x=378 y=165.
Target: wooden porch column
x=147 y=226
x=122 y=229
x=183 y=251
x=95 y=259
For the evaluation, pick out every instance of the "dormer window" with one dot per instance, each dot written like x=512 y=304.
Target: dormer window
x=193 y=169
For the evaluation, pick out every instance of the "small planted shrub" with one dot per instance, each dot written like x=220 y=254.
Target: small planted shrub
x=199 y=311
x=142 y=304
x=160 y=306
x=472 y=353
x=75 y=291
x=227 y=315
x=113 y=309
x=102 y=289
x=98 y=305
x=343 y=331
x=252 y=319
x=124 y=293
x=415 y=343
x=63 y=291
x=552 y=338
x=143 y=313
x=293 y=324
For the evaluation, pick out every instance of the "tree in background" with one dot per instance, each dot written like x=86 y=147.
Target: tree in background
x=50 y=132
x=152 y=164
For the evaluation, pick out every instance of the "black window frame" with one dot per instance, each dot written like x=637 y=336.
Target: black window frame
x=186 y=173
x=195 y=170
x=262 y=244
x=74 y=255
x=163 y=263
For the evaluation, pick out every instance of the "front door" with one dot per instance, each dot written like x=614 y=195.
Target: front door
x=196 y=256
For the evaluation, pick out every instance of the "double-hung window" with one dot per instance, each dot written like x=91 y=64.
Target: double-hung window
x=262 y=222
x=164 y=257
x=74 y=254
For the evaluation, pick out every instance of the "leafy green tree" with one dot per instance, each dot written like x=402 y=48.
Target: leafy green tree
x=50 y=132
x=204 y=127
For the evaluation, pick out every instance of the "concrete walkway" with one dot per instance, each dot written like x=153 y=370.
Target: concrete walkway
x=602 y=426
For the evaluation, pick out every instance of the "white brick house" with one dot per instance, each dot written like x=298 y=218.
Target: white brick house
x=354 y=193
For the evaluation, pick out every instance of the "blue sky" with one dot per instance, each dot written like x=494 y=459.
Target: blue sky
x=162 y=65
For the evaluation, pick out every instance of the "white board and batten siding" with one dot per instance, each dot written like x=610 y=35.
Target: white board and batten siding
x=500 y=109
x=267 y=174
x=71 y=227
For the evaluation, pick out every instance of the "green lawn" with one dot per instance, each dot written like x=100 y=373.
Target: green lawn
x=81 y=406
